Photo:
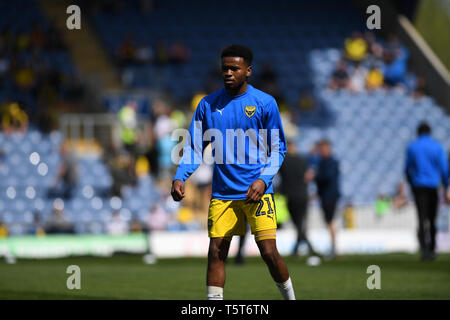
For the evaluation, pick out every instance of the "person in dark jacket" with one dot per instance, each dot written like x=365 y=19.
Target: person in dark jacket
x=426 y=168
x=295 y=176
x=327 y=181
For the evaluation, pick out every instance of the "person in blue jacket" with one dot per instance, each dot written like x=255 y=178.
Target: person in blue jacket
x=426 y=169
x=327 y=181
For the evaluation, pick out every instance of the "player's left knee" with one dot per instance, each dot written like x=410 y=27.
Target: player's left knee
x=269 y=253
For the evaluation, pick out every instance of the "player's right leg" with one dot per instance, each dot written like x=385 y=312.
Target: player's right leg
x=215 y=274
x=223 y=223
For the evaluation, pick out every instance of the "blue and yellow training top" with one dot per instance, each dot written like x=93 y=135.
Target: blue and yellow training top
x=247 y=139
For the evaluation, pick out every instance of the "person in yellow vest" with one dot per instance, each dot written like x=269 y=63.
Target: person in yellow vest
x=355 y=47
x=129 y=132
x=374 y=79
x=13 y=118
x=3 y=230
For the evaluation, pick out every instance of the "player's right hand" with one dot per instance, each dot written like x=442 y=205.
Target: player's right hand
x=447 y=195
x=177 y=190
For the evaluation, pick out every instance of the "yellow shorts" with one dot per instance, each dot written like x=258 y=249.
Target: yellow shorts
x=226 y=218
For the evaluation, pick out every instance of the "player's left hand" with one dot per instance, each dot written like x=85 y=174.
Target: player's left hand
x=255 y=191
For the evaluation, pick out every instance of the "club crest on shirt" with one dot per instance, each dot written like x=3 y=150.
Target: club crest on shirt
x=250 y=111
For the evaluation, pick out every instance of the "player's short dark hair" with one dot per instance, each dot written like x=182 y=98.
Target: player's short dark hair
x=236 y=50
x=423 y=128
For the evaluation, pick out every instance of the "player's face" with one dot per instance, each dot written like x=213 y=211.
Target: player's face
x=325 y=150
x=235 y=72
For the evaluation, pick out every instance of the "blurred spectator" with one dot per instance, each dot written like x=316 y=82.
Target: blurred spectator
x=116 y=226
x=355 y=47
x=23 y=41
x=25 y=77
x=374 y=79
x=358 y=79
x=314 y=156
x=327 y=181
x=382 y=204
x=152 y=157
x=163 y=128
x=4 y=65
x=179 y=52
x=307 y=101
x=340 y=78
x=158 y=218
x=295 y=177
x=196 y=98
x=3 y=230
x=67 y=176
x=202 y=179
x=13 y=118
x=37 y=228
x=127 y=51
x=392 y=45
x=267 y=81
x=394 y=69
x=374 y=49
x=144 y=54
x=118 y=164
x=349 y=216
x=400 y=198
x=58 y=221
x=129 y=134
x=420 y=89
x=135 y=226
x=129 y=126
x=185 y=216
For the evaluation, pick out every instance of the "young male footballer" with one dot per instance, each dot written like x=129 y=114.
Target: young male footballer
x=244 y=126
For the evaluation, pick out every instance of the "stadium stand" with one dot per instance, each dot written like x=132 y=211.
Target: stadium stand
x=292 y=36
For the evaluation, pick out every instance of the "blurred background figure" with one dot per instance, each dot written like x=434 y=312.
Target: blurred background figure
x=59 y=223
x=426 y=168
x=340 y=78
x=158 y=218
x=355 y=47
x=117 y=226
x=129 y=132
x=400 y=199
x=38 y=228
x=13 y=118
x=374 y=79
x=202 y=180
x=295 y=177
x=3 y=230
x=327 y=181
x=67 y=178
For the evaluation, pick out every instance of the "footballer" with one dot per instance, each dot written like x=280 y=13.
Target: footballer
x=241 y=189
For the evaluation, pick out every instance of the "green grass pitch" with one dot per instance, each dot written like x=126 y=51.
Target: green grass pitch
x=403 y=276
